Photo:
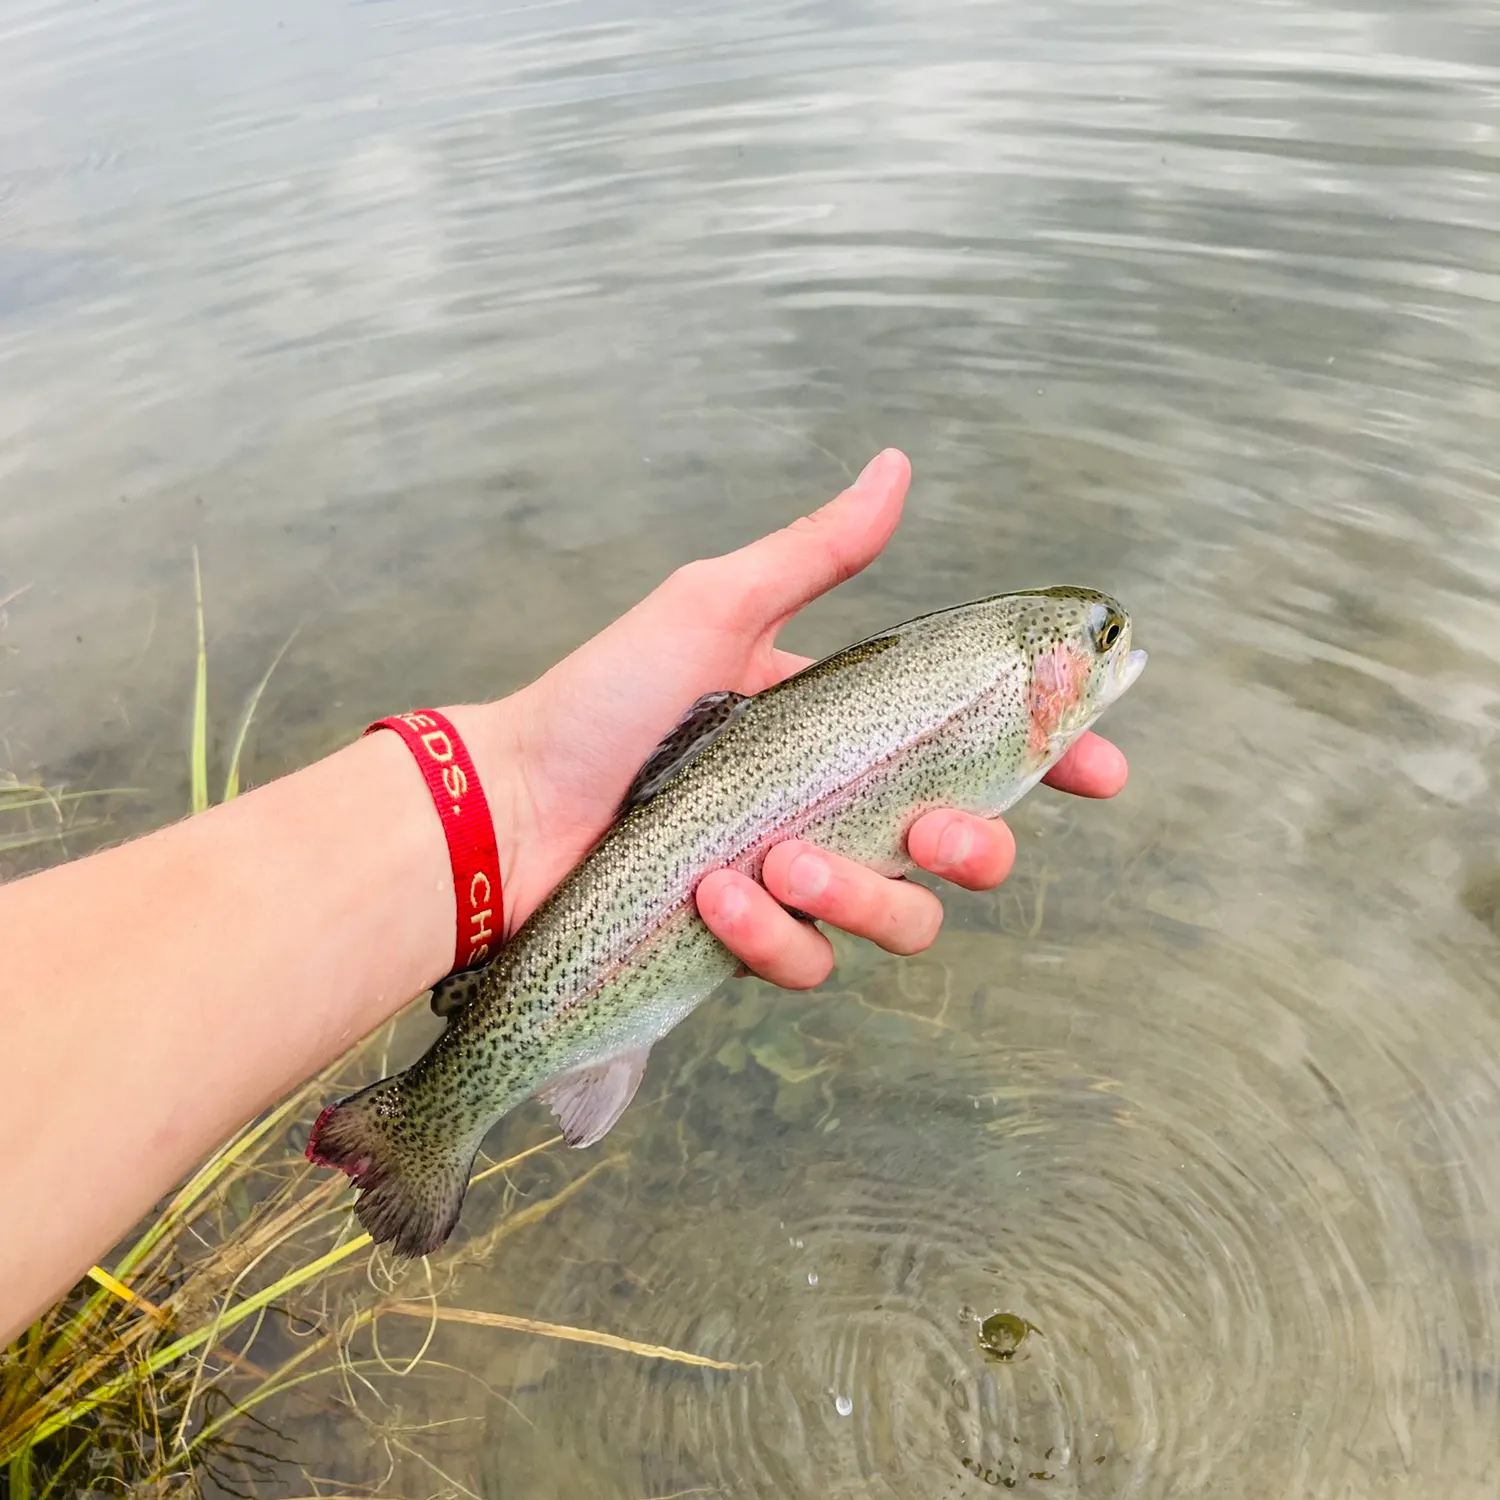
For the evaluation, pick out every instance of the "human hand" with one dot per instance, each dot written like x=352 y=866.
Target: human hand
x=578 y=734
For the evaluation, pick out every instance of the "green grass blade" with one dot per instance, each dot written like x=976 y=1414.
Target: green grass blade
x=19 y=1471
x=199 y=748
x=161 y=1358
x=232 y=780
x=232 y=1317
x=63 y=1468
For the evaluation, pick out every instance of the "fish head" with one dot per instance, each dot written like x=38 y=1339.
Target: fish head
x=1075 y=646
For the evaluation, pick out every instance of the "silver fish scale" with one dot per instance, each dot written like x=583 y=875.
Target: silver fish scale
x=848 y=753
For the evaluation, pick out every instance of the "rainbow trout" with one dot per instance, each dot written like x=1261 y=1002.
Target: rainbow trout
x=968 y=707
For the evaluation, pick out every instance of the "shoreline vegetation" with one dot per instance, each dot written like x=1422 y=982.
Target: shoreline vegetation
x=251 y=1288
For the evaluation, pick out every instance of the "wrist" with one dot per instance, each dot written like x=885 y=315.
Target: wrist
x=492 y=734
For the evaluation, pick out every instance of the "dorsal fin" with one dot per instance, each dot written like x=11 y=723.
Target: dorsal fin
x=693 y=733
x=587 y=1101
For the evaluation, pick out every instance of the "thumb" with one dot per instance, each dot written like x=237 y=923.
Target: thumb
x=781 y=572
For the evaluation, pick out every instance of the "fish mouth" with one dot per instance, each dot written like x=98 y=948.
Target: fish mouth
x=1131 y=666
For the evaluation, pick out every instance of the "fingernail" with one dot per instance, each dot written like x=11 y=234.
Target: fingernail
x=808 y=877
x=956 y=845
x=732 y=904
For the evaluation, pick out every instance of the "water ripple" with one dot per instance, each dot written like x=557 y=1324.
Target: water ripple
x=450 y=331
x=1220 y=1267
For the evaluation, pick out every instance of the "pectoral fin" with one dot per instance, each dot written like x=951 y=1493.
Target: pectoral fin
x=588 y=1100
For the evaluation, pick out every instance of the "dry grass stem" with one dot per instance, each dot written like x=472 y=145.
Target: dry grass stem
x=515 y=1324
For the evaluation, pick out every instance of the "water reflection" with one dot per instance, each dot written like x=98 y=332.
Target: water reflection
x=450 y=334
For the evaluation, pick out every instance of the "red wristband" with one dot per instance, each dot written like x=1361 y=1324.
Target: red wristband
x=460 y=801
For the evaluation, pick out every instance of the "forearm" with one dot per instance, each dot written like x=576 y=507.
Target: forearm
x=304 y=914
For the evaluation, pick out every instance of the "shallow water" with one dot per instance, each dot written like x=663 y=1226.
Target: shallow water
x=444 y=333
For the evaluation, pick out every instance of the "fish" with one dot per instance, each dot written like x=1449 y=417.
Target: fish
x=967 y=707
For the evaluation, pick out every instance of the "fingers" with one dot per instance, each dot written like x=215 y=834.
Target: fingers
x=766 y=938
x=899 y=917
x=1092 y=768
x=775 y=576
x=753 y=923
x=976 y=853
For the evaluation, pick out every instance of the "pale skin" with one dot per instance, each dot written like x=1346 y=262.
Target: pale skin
x=158 y=995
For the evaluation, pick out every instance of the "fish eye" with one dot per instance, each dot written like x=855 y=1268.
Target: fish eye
x=1109 y=626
